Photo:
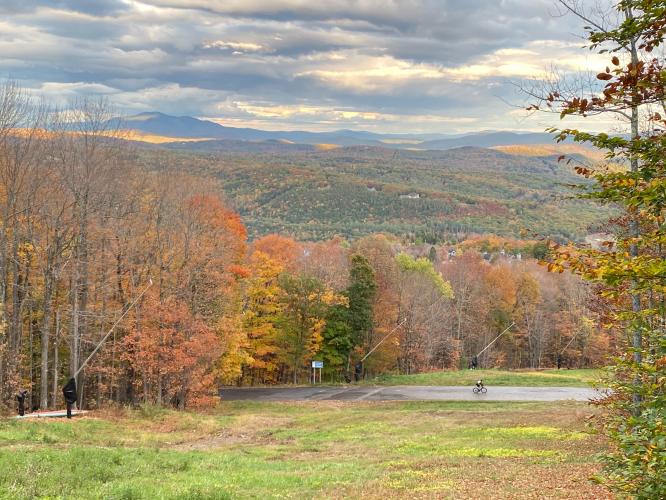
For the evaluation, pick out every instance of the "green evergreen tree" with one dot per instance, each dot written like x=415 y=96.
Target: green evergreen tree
x=432 y=255
x=306 y=301
x=337 y=343
x=361 y=293
x=349 y=325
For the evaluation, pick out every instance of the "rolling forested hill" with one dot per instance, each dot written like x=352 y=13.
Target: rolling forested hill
x=354 y=191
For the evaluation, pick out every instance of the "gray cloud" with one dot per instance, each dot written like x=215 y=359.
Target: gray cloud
x=92 y=7
x=375 y=64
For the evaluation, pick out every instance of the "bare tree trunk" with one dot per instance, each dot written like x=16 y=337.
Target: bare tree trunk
x=74 y=338
x=54 y=402
x=637 y=336
x=99 y=389
x=45 y=331
x=112 y=381
x=15 y=318
x=32 y=361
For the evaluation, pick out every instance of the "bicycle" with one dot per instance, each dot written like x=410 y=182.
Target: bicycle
x=479 y=388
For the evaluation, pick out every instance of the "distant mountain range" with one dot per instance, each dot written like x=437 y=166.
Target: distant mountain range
x=433 y=187
x=211 y=135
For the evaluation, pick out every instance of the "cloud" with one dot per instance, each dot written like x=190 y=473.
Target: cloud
x=92 y=7
x=313 y=117
x=376 y=64
x=236 y=47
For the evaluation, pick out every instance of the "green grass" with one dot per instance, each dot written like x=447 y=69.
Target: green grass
x=305 y=450
x=549 y=378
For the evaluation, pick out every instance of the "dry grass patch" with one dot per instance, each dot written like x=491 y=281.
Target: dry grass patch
x=327 y=449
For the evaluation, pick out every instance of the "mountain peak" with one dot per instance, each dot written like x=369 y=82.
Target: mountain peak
x=187 y=127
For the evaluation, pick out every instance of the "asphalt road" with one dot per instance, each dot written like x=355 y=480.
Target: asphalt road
x=406 y=393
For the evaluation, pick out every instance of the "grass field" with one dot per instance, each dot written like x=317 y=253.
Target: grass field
x=549 y=378
x=307 y=450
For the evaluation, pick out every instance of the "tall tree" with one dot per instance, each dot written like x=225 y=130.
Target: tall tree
x=21 y=156
x=361 y=294
x=261 y=313
x=466 y=274
x=305 y=302
x=425 y=341
x=350 y=325
x=337 y=341
x=380 y=252
x=91 y=165
x=176 y=352
x=525 y=315
x=634 y=268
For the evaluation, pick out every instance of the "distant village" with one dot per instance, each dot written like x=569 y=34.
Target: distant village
x=448 y=253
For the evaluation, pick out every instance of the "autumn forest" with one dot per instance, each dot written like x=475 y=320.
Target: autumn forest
x=370 y=249
x=95 y=246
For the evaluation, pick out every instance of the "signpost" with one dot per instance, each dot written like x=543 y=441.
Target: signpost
x=316 y=365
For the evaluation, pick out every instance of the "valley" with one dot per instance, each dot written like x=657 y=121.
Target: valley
x=437 y=195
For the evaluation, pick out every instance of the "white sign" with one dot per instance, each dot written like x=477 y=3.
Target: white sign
x=317 y=364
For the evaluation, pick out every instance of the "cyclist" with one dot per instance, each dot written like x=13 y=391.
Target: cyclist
x=479 y=384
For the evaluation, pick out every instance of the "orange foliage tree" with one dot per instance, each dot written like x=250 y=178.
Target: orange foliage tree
x=175 y=353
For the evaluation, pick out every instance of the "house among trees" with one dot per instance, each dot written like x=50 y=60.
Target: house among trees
x=600 y=241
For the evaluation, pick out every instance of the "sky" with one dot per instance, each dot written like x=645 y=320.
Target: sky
x=390 y=66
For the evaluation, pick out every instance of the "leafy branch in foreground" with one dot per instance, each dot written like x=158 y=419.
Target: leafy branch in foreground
x=632 y=269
